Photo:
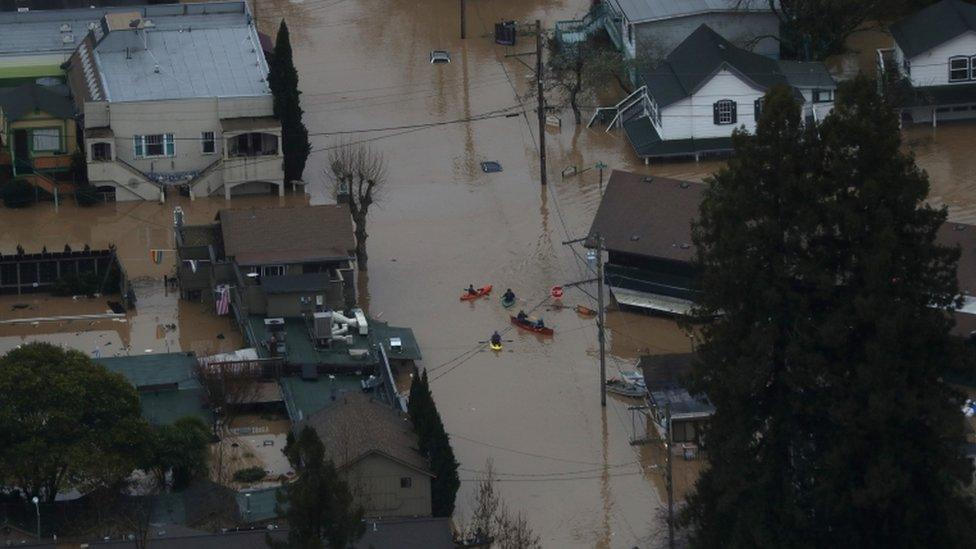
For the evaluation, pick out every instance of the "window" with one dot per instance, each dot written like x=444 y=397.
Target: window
x=272 y=270
x=959 y=69
x=823 y=96
x=101 y=151
x=683 y=431
x=723 y=112
x=207 y=142
x=46 y=139
x=152 y=146
x=406 y=482
x=253 y=144
x=757 y=107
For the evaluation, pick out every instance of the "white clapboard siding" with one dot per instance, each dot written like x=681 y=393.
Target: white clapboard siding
x=692 y=116
x=932 y=67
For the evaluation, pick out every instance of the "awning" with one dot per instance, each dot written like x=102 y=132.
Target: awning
x=656 y=302
x=250 y=124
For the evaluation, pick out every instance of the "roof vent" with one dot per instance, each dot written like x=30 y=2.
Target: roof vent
x=721 y=46
x=684 y=185
x=685 y=245
x=68 y=38
x=960 y=227
x=65 y=27
x=156 y=68
x=23 y=10
x=634 y=237
x=647 y=179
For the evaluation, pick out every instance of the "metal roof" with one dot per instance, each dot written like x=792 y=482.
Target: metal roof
x=639 y=11
x=933 y=26
x=155 y=369
x=289 y=284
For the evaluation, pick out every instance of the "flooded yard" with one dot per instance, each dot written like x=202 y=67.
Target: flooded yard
x=534 y=408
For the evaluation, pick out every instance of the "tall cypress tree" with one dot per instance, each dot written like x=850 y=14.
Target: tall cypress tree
x=283 y=81
x=830 y=340
x=435 y=443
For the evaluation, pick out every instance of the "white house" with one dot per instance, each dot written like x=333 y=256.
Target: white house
x=653 y=28
x=934 y=62
x=176 y=96
x=690 y=103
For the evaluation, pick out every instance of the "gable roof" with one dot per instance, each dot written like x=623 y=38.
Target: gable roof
x=299 y=234
x=640 y=11
x=27 y=98
x=934 y=25
x=357 y=426
x=700 y=56
x=648 y=216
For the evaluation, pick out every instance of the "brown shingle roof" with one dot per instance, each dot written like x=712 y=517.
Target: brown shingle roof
x=258 y=236
x=648 y=216
x=357 y=426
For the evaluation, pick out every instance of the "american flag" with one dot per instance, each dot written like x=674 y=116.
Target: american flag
x=223 y=300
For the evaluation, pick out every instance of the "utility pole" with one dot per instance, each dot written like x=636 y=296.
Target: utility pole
x=600 y=319
x=463 y=26
x=541 y=100
x=667 y=474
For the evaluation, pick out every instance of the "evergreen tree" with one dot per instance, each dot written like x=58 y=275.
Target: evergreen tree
x=283 y=81
x=435 y=444
x=829 y=341
x=318 y=505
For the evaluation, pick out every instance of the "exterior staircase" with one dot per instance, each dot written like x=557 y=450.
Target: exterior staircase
x=49 y=185
x=578 y=30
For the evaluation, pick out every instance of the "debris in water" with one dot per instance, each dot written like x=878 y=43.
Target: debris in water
x=220 y=336
x=491 y=166
x=19 y=306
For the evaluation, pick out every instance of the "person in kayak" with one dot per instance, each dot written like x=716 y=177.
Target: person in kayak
x=509 y=295
x=471 y=290
x=496 y=339
x=521 y=316
x=539 y=323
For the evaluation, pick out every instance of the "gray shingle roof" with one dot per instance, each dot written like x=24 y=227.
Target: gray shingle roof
x=357 y=426
x=802 y=74
x=698 y=58
x=638 y=11
x=27 y=98
x=933 y=26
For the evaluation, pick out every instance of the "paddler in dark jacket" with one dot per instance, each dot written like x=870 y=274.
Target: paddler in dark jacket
x=496 y=339
x=471 y=290
x=509 y=295
x=521 y=316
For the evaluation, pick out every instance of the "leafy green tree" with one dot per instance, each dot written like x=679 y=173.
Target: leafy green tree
x=436 y=445
x=181 y=448
x=318 y=505
x=283 y=81
x=65 y=420
x=828 y=341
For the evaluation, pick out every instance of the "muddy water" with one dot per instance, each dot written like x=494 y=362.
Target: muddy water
x=533 y=408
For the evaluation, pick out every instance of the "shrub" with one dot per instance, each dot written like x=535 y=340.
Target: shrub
x=17 y=194
x=251 y=474
x=83 y=284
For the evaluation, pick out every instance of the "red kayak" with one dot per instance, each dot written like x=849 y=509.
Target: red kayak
x=481 y=292
x=530 y=326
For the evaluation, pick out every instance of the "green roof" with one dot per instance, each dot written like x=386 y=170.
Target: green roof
x=153 y=370
x=260 y=508
x=300 y=350
x=165 y=407
x=304 y=398
x=409 y=348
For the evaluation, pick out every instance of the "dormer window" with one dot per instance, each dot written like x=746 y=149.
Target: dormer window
x=959 y=69
x=723 y=112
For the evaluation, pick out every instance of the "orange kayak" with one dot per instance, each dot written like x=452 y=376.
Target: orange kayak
x=480 y=292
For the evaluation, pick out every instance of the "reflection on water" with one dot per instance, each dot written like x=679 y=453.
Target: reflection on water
x=443 y=224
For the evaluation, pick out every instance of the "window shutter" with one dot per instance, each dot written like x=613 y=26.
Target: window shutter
x=137 y=146
x=715 y=113
x=735 y=117
x=170 y=145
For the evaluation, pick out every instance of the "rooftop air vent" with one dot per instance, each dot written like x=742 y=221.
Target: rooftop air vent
x=959 y=227
x=647 y=179
x=68 y=38
x=92 y=25
x=684 y=185
x=148 y=24
x=156 y=69
x=634 y=237
x=65 y=27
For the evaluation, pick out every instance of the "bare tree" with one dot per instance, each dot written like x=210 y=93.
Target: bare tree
x=358 y=174
x=582 y=69
x=228 y=385
x=492 y=523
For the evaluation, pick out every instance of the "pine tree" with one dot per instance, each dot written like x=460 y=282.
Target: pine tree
x=829 y=342
x=283 y=81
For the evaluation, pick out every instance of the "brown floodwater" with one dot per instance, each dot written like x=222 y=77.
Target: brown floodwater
x=534 y=408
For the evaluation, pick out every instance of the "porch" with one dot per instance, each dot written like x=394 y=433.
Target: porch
x=252 y=154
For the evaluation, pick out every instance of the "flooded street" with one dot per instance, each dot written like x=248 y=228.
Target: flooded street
x=534 y=408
